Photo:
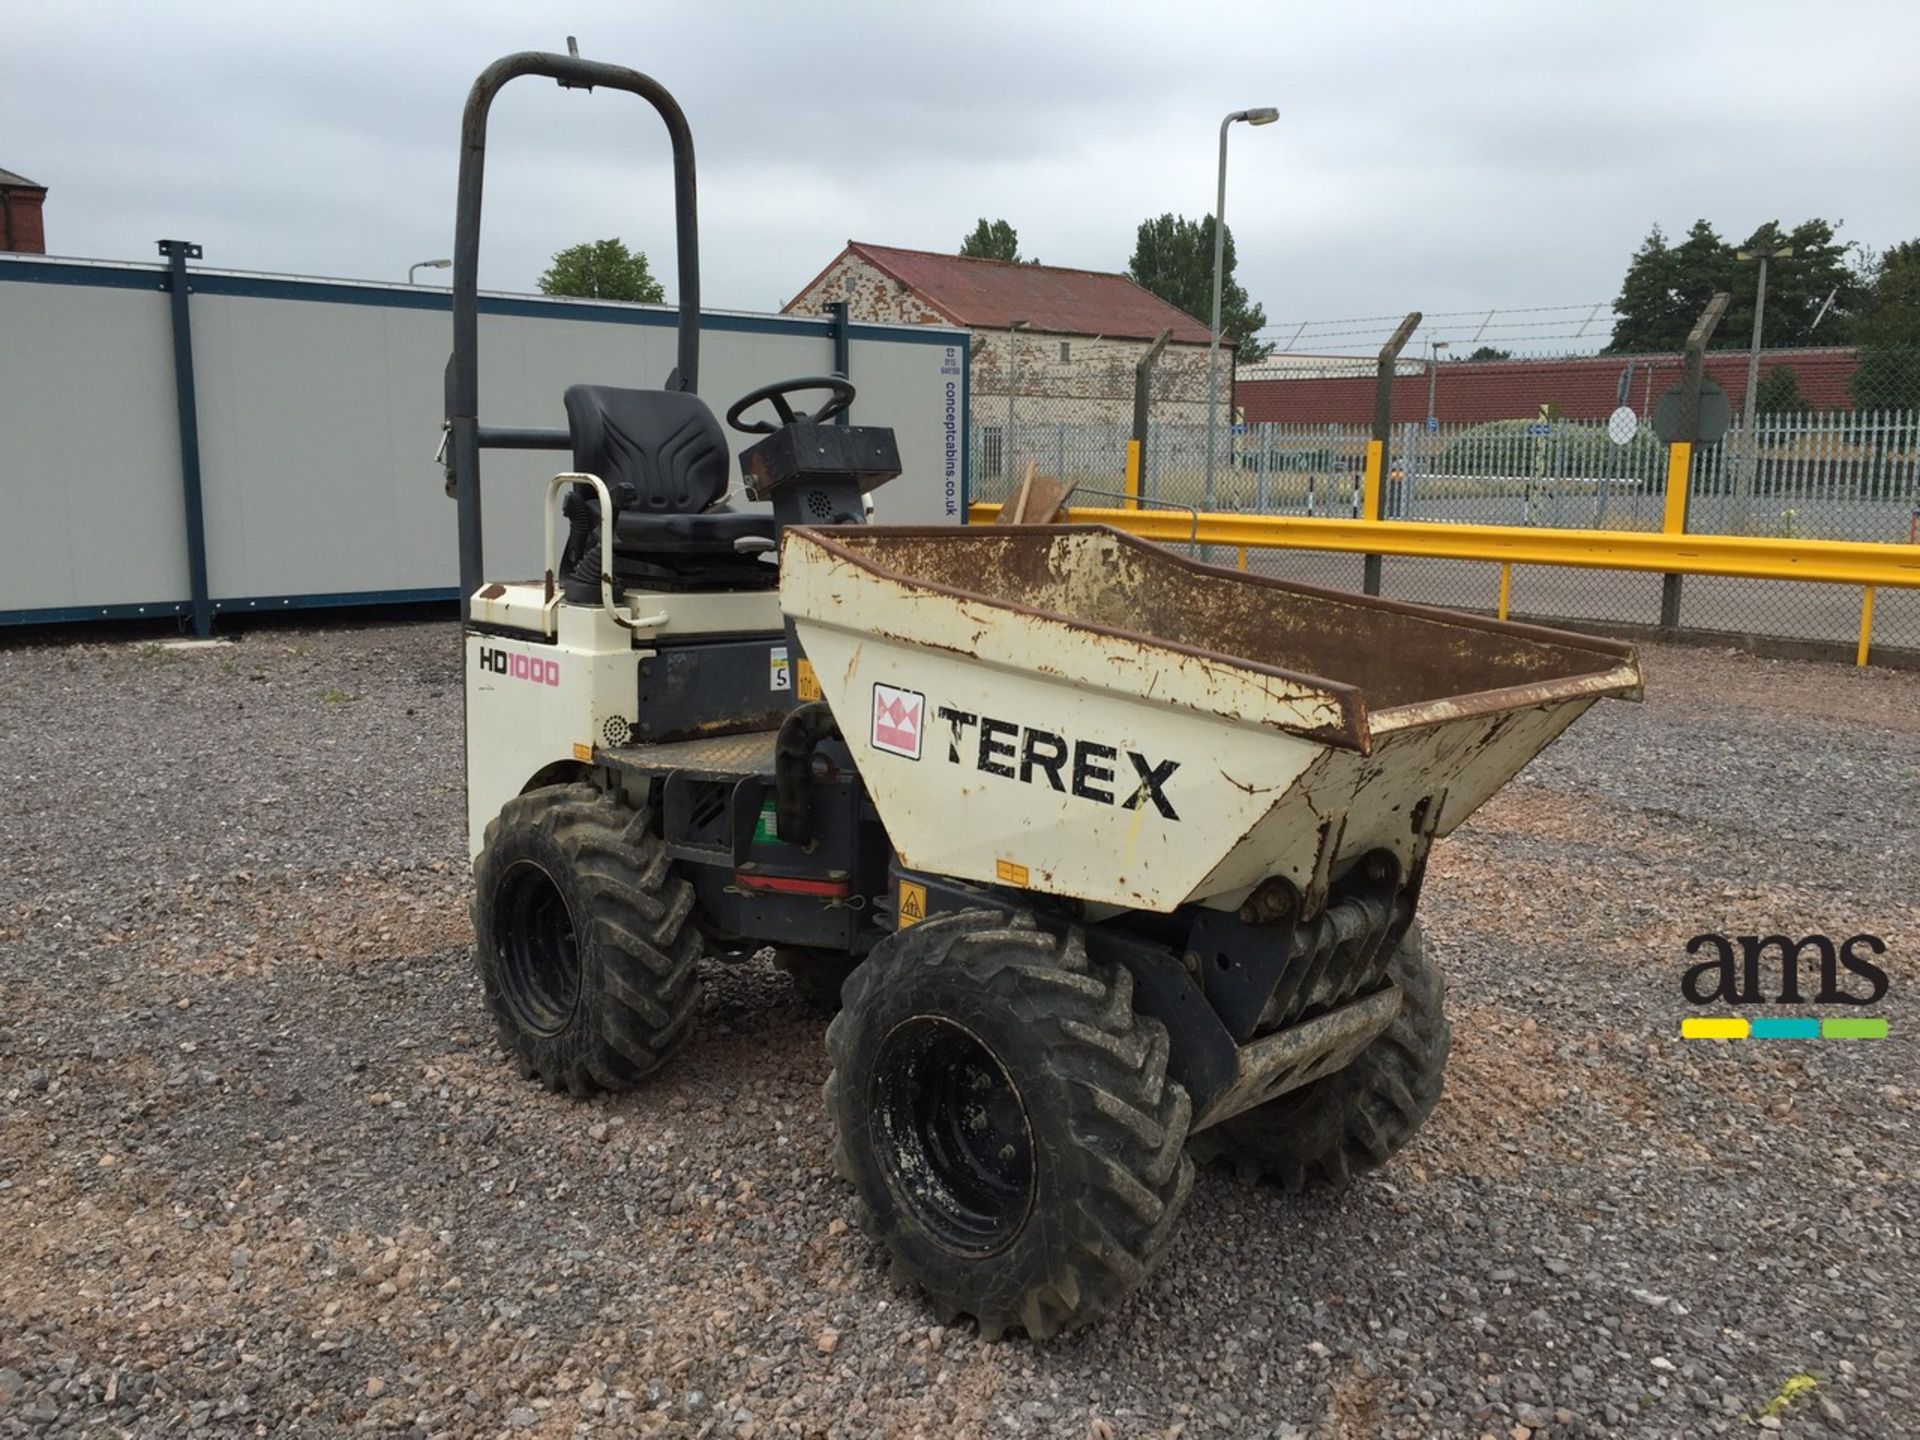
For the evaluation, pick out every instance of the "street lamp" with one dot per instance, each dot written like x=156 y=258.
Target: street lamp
x=427 y=265
x=1006 y=446
x=1434 y=347
x=1266 y=115
x=1749 y=463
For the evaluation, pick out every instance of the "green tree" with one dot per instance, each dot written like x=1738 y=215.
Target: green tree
x=1890 y=305
x=1173 y=257
x=1779 y=392
x=1887 y=378
x=602 y=270
x=1889 y=333
x=1491 y=352
x=992 y=240
x=1667 y=285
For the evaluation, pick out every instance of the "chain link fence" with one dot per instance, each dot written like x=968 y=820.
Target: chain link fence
x=1832 y=452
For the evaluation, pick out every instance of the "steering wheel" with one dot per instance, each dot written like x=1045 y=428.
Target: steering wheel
x=777 y=393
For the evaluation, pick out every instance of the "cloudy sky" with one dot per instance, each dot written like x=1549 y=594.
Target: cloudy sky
x=1449 y=157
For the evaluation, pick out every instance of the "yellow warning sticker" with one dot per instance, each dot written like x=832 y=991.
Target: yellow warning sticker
x=582 y=752
x=1010 y=873
x=806 y=686
x=913 y=903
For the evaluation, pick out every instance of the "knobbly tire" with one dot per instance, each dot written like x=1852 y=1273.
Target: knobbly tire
x=1006 y=1121
x=582 y=941
x=1326 y=1133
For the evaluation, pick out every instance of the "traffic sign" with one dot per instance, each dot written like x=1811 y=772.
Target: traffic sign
x=1716 y=413
x=1622 y=425
x=1433 y=423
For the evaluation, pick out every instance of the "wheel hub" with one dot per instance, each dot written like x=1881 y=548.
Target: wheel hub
x=953 y=1134
x=539 y=949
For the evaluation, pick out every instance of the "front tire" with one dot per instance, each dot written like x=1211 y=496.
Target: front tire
x=1324 y=1134
x=1007 y=1122
x=581 y=939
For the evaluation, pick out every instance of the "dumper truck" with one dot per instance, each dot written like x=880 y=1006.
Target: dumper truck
x=1109 y=859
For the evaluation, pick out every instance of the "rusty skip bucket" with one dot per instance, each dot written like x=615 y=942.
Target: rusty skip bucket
x=1075 y=711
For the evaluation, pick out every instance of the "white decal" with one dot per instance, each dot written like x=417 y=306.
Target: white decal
x=897 y=717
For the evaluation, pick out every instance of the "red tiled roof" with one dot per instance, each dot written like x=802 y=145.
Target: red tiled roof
x=993 y=294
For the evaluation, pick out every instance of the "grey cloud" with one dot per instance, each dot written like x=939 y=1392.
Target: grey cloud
x=1443 y=157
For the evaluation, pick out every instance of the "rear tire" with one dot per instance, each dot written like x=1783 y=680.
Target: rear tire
x=581 y=939
x=1354 y=1120
x=1007 y=1122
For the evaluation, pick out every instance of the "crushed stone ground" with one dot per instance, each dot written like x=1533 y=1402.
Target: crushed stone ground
x=264 y=1171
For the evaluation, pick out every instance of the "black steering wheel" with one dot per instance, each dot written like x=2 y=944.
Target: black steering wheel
x=777 y=393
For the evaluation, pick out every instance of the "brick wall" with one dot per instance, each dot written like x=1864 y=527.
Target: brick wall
x=869 y=294
x=1471 y=392
x=22 y=229
x=1093 y=384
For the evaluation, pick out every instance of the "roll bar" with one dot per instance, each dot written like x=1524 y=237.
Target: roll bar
x=466 y=436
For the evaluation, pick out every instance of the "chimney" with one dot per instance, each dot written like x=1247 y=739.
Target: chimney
x=21 y=227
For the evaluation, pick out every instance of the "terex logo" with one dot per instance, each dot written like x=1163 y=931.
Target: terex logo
x=535 y=668
x=1086 y=767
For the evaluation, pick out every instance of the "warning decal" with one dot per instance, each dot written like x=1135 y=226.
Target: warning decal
x=897 y=717
x=913 y=903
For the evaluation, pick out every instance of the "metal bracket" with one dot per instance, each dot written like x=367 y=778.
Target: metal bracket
x=625 y=619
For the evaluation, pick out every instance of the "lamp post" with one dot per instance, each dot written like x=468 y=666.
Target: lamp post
x=1006 y=447
x=1266 y=115
x=1750 y=461
x=412 y=270
x=1434 y=347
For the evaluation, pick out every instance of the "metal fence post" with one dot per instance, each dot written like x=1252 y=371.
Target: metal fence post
x=178 y=252
x=1142 y=414
x=1680 y=451
x=842 y=351
x=1375 y=474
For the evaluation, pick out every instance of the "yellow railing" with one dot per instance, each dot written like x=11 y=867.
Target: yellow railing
x=1838 y=562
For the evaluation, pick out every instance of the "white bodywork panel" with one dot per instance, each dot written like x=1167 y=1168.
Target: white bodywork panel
x=568 y=682
x=1004 y=744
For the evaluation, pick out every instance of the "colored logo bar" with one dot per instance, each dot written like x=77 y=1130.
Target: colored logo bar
x=1848 y=1027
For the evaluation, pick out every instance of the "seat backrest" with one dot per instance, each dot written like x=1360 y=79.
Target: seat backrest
x=660 y=451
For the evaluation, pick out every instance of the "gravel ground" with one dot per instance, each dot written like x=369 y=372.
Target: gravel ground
x=263 y=1170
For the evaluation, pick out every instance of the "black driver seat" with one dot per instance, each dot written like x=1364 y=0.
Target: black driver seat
x=664 y=459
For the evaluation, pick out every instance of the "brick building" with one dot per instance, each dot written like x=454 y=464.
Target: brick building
x=1341 y=391
x=1074 y=357
x=22 y=229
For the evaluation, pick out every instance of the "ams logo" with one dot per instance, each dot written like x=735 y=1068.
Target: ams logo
x=1729 y=971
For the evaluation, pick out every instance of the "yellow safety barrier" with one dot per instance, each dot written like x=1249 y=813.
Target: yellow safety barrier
x=1839 y=562
x=1371 y=480
x=1679 y=479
